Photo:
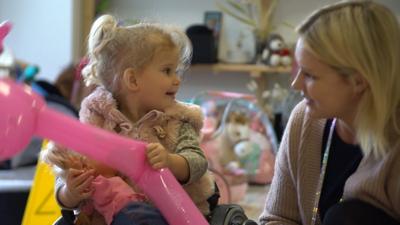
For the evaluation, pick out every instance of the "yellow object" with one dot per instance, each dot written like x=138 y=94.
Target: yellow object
x=42 y=207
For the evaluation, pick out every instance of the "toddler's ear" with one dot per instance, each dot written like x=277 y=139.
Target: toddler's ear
x=129 y=79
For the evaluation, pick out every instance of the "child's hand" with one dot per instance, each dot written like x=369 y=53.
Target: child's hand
x=157 y=156
x=77 y=186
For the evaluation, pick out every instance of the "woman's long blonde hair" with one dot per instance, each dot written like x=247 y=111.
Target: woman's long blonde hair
x=362 y=37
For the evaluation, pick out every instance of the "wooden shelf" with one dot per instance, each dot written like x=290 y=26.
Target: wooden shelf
x=255 y=70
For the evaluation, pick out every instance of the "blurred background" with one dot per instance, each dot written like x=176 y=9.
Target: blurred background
x=241 y=71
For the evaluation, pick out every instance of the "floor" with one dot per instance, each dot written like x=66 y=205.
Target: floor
x=253 y=202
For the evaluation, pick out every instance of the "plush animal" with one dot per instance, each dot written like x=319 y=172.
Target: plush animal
x=236 y=129
x=256 y=157
x=248 y=153
x=219 y=150
x=276 y=53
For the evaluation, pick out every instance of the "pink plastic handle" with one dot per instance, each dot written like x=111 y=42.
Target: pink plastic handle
x=25 y=114
x=5 y=28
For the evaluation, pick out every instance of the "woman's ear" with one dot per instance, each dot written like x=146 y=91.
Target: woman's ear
x=360 y=83
x=129 y=79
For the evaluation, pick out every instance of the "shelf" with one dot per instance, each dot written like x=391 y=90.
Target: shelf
x=255 y=70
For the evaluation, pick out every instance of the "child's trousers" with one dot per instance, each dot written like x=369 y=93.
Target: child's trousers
x=139 y=213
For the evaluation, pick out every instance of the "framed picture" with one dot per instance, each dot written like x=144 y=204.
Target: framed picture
x=213 y=20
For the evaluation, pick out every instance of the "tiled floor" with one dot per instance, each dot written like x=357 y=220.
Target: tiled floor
x=254 y=201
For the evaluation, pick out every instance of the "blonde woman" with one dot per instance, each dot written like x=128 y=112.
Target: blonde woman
x=338 y=162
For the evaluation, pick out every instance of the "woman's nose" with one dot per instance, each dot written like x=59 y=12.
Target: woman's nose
x=297 y=82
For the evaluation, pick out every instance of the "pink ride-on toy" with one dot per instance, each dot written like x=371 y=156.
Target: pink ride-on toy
x=25 y=114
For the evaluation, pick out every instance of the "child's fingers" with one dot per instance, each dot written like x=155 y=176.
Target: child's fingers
x=151 y=153
x=152 y=146
x=76 y=164
x=153 y=160
x=158 y=162
x=74 y=172
x=83 y=187
x=86 y=183
x=159 y=165
x=89 y=173
x=87 y=194
x=71 y=176
x=77 y=180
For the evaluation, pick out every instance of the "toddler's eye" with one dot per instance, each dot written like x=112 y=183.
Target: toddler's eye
x=309 y=76
x=167 y=71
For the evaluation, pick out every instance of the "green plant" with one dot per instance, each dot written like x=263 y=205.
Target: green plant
x=255 y=13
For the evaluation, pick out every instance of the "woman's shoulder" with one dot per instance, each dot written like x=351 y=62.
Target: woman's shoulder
x=298 y=116
x=300 y=119
x=303 y=133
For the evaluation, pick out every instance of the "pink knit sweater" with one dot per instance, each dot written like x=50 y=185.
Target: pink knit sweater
x=291 y=196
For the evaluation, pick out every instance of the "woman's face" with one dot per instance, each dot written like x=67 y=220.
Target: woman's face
x=327 y=93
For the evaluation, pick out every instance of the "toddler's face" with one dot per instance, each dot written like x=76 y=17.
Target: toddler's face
x=159 y=81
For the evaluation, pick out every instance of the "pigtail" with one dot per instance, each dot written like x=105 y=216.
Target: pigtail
x=101 y=34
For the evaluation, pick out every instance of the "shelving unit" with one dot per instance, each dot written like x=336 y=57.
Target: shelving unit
x=264 y=76
x=255 y=70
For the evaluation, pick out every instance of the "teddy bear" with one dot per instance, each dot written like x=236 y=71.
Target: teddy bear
x=276 y=53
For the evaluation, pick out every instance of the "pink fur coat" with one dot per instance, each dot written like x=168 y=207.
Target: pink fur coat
x=101 y=109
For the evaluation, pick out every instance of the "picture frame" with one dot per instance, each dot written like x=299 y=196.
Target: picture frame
x=213 y=20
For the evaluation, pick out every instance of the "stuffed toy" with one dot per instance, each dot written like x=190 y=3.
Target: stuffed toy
x=276 y=53
x=111 y=189
x=248 y=153
x=222 y=158
x=236 y=129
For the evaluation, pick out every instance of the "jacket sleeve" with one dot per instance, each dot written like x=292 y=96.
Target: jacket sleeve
x=189 y=147
x=58 y=185
x=281 y=205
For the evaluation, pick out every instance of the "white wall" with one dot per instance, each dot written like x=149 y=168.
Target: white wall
x=41 y=34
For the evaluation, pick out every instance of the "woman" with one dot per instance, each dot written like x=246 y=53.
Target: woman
x=338 y=158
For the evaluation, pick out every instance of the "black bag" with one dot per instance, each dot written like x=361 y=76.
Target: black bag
x=204 y=44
